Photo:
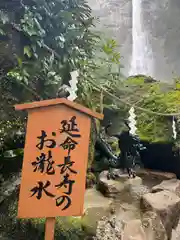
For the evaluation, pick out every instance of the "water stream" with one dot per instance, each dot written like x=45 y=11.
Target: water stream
x=142 y=56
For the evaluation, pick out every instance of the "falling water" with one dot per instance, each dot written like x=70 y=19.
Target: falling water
x=142 y=58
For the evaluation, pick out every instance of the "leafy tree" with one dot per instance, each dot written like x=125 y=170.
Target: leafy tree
x=152 y=97
x=101 y=70
x=41 y=42
x=46 y=41
x=53 y=37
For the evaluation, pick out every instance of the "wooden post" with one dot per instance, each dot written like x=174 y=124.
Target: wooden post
x=49 y=228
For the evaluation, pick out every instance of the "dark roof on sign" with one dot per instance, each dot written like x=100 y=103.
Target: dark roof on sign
x=58 y=101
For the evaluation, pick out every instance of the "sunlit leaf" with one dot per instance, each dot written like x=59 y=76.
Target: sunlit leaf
x=27 y=51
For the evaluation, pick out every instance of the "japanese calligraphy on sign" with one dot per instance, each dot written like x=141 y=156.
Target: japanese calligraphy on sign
x=45 y=164
x=55 y=160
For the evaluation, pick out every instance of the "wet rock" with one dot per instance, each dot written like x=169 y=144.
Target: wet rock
x=153 y=226
x=137 y=192
x=94 y=198
x=166 y=204
x=134 y=181
x=118 y=174
x=112 y=227
x=128 y=207
x=133 y=230
x=117 y=187
x=131 y=225
x=171 y=185
x=127 y=215
x=176 y=233
x=110 y=188
x=146 y=173
x=91 y=217
x=95 y=207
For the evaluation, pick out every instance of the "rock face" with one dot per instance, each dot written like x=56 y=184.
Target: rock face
x=95 y=207
x=114 y=188
x=171 y=185
x=140 y=212
x=150 y=174
x=137 y=192
x=160 y=20
x=115 y=20
x=176 y=233
x=133 y=230
x=166 y=204
x=109 y=188
x=127 y=227
x=109 y=229
x=153 y=226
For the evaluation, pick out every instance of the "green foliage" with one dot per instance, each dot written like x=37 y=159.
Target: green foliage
x=41 y=44
x=115 y=147
x=103 y=69
x=55 y=36
x=45 y=41
x=90 y=179
x=66 y=227
x=153 y=127
x=91 y=145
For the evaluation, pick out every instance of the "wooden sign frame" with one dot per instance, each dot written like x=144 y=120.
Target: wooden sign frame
x=45 y=117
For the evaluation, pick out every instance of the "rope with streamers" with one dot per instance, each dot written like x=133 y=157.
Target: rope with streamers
x=95 y=87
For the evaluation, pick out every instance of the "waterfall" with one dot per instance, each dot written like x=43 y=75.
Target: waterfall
x=142 y=57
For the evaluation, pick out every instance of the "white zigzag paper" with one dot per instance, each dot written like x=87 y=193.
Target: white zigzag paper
x=132 y=121
x=174 y=129
x=73 y=83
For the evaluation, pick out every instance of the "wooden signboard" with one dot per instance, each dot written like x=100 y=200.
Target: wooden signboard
x=55 y=160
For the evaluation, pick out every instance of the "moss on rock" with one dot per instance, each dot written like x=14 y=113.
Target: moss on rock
x=90 y=180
